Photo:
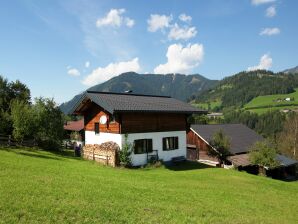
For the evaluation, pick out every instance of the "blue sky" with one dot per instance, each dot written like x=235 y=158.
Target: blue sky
x=60 y=48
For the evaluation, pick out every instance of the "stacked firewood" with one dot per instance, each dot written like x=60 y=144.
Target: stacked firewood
x=105 y=153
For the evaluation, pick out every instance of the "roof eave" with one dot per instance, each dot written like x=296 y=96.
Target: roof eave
x=160 y=111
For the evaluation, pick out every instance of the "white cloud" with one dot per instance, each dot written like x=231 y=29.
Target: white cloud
x=185 y=33
x=129 y=22
x=265 y=63
x=270 y=31
x=73 y=71
x=271 y=11
x=114 y=18
x=260 y=2
x=185 y=18
x=87 y=64
x=181 y=59
x=102 y=74
x=156 y=22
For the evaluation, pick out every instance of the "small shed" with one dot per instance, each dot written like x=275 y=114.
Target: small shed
x=285 y=170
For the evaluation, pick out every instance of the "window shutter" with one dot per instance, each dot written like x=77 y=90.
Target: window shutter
x=149 y=145
x=96 y=128
x=164 y=143
x=176 y=143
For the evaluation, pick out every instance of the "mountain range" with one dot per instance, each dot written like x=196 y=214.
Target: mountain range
x=179 y=86
x=235 y=90
x=291 y=70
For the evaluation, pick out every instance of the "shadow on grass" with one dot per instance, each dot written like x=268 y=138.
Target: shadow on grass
x=36 y=155
x=186 y=165
x=39 y=153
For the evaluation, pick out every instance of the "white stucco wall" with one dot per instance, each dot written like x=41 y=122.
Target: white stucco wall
x=92 y=138
x=141 y=159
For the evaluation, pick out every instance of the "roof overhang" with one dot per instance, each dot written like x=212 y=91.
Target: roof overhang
x=86 y=99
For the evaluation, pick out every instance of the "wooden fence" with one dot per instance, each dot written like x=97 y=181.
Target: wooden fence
x=8 y=140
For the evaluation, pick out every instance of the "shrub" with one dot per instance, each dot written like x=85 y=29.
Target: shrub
x=125 y=153
x=220 y=146
x=75 y=135
x=263 y=154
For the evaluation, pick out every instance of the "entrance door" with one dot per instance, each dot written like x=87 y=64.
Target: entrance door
x=191 y=154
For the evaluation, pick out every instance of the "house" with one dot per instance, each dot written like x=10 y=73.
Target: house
x=155 y=125
x=214 y=115
x=71 y=126
x=199 y=136
x=288 y=99
x=241 y=140
x=75 y=126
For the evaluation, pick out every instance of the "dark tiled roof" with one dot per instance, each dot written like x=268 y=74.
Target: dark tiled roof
x=243 y=160
x=242 y=137
x=74 y=125
x=120 y=102
x=285 y=161
x=240 y=160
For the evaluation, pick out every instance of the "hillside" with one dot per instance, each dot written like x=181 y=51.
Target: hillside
x=178 y=86
x=43 y=187
x=277 y=102
x=291 y=70
x=239 y=89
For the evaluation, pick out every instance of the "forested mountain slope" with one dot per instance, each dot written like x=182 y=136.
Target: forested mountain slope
x=178 y=86
x=239 y=89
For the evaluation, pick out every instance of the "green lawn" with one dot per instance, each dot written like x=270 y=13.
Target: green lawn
x=269 y=102
x=264 y=110
x=204 y=106
x=42 y=187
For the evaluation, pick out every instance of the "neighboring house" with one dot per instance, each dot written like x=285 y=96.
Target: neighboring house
x=199 y=136
x=214 y=115
x=77 y=126
x=241 y=139
x=74 y=126
x=288 y=99
x=156 y=125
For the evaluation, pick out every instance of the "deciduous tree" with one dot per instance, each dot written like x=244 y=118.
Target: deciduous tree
x=22 y=120
x=288 y=138
x=220 y=146
x=263 y=154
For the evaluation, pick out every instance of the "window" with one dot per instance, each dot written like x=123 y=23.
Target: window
x=96 y=128
x=112 y=119
x=142 y=146
x=170 y=143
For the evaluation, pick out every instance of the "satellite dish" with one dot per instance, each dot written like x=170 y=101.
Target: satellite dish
x=103 y=119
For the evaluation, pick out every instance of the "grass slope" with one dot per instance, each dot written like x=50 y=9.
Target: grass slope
x=41 y=187
x=264 y=103
x=205 y=106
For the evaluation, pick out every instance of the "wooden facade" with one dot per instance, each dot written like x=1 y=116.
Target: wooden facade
x=152 y=122
x=193 y=140
x=134 y=122
x=92 y=116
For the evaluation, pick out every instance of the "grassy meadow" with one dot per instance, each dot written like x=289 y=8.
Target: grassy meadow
x=262 y=104
x=204 y=106
x=43 y=187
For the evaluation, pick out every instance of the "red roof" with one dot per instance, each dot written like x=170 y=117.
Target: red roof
x=74 y=125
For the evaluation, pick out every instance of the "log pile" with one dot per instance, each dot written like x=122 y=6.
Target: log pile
x=105 y=153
